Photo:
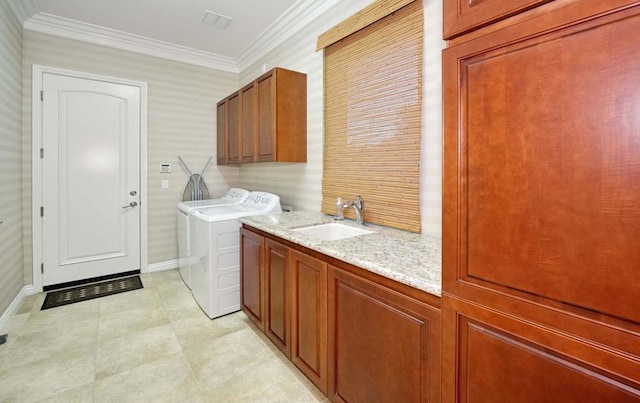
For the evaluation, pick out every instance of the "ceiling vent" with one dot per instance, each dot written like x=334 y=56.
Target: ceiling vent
x=216 y=20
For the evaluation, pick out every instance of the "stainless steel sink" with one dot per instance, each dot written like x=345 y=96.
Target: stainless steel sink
x=332 y=231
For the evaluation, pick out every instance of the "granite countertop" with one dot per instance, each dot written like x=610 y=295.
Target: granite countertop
x=411 y=259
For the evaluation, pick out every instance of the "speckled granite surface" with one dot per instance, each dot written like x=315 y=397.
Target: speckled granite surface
x=412 y=259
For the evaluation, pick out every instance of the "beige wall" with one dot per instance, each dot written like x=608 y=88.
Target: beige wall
x=11 y=278
x=300 y=185
x=181 y=122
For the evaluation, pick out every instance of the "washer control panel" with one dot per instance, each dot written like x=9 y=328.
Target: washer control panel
x=261 y=201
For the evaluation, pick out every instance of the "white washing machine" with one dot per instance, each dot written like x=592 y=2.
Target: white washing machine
x=233 y=196
x=215 y=244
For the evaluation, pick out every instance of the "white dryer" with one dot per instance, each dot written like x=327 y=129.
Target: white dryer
x=215 y=244
x=233 y=196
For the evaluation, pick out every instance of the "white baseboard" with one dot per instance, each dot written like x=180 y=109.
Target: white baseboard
x=29 y=289
x=15 y=304
x=168 y=265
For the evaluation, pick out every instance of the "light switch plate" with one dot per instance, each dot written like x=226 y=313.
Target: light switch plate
x=165 y=184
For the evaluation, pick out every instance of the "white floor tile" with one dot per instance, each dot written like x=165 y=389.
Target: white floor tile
x=153 y=344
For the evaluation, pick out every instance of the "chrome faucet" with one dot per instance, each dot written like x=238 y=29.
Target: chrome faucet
x=358 y=207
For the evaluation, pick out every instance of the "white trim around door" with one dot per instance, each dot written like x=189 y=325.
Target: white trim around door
x=36 y=164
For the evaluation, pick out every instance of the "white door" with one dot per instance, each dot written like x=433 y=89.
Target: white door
x=91 y=178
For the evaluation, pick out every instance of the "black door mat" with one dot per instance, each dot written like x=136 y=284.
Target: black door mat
x=91 y=291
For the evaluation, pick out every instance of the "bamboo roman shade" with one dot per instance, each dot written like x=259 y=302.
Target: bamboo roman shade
x=372 y=116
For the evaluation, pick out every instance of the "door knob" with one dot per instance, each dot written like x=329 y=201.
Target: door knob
x=133 y=193
x=131 y=205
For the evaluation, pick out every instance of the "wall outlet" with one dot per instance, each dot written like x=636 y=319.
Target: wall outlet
x=165 y=184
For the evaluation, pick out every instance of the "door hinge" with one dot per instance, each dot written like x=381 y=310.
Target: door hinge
x=41 y=153
x=41 y=268
x=42 y=95
x=41 y=211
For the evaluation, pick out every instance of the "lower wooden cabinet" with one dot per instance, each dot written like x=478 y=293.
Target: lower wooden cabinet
x=356 y=339
x=278 y=295
x=252 y=279
x=541 y=184
x=490 y=356
x=309 y=317
x=384 y=346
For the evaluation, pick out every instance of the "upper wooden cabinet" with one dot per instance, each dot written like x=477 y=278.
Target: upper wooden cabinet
x=461 y=16
x=282 y=116
x=221 y=112
x=270 y=120
x=265 y=139
x=234 y=141
x=542 y=181
x=229 y=141
x=249 y=128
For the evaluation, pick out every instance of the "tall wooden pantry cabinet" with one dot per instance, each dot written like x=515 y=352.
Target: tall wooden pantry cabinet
x=541 y=196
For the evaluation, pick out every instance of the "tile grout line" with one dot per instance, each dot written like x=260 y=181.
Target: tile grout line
x=95 y=369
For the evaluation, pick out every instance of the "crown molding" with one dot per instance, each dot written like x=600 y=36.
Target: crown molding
x=301 y=14
x=90 y=33
x=298 y=16
x=23 y=9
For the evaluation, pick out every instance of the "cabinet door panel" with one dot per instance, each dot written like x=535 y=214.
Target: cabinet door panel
x=490 y=357
x=252 y=277
x=290 y=125
x=266 y=118
x=233 y=134
x=278 y=295
x=461 y=16
x=309 y=317
x=383 y=346
x=249 y=125
x=221 y=143
x=542 y=178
